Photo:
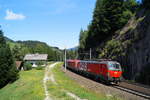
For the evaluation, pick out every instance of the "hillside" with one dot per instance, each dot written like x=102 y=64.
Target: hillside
x=20 y=48
x=8 y=39
x=131 y=47
x=120 y=30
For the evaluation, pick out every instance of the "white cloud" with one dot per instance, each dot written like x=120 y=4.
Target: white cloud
x=10 y=15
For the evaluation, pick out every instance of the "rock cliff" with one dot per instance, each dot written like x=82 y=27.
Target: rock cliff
x=131 y=47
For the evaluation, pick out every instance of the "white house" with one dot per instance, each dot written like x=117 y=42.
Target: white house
x=34 y=59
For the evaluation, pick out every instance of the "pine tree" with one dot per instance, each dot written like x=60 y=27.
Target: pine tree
x=82 y=39
x=108 y=17
x=131 y=5
x=8 y=72
x=146 y=4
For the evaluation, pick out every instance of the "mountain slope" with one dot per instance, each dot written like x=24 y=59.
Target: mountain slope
x=131 y=47
x=8 y=39
x=20 y=48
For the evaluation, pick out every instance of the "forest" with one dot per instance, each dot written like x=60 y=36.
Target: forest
x=114 y=32
x=108 y=17
x=20 y=48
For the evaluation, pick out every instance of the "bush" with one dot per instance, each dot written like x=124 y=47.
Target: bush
x=27 y=66
x=13 y=74
x=40 y=63
x=39 y=68
x=112 y=49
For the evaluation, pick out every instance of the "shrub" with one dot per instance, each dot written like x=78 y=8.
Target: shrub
x=39 y=68
x=40 y=63
x=112 y=50
x=27 y=66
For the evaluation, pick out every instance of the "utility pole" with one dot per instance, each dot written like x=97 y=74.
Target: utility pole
x=90 y=53
x=65 y=59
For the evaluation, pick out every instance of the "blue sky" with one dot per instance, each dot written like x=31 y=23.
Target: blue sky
x=56 y=22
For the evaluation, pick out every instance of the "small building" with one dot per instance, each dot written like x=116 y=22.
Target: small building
x=18 y=65
x=36 y=59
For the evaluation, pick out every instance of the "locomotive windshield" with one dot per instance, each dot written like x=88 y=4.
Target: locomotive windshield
x=114 y=66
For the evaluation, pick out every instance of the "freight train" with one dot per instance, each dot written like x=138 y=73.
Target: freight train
x=106 y=70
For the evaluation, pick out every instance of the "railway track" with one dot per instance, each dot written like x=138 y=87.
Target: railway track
x=138 y=93
x=135 y=88
x=125 y=87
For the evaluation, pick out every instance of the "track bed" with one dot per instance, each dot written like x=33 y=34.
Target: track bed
x=102 y=88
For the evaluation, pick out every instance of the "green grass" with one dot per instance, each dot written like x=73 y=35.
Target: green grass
x=50 y=62
x=28 y=87
x=64 y=83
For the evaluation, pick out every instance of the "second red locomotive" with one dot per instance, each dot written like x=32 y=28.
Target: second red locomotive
x=104 y=70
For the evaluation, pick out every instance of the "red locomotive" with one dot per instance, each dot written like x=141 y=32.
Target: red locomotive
x=104 y=70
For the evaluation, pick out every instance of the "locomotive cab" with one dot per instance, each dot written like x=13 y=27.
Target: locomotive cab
x=114 y=66
x=114 y=72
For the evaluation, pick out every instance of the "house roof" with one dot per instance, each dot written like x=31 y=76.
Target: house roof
x=18 y=64
x=36 y=57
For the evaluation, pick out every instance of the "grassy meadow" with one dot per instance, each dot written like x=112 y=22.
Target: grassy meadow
x=65 y=84
x=28 y=87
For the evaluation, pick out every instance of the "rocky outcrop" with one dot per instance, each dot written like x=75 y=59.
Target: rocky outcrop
x=134 y=41
x=138 y=49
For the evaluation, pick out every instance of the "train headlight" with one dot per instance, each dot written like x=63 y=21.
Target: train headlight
x=115 y=73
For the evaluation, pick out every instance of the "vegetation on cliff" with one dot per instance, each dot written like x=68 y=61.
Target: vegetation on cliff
x=108 y=17
x=119 y=31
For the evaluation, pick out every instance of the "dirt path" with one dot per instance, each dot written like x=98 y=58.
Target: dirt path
x=48 y=76
x=74 y=96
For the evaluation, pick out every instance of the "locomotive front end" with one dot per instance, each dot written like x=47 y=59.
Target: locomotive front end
x=114 y=72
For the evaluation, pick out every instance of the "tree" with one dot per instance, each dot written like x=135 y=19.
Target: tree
x=82 y=39
x=108 y=17
x=82 y=43
x=33 y=47
x=146 y=4
x=131 y=5
x=72 y=54
x=8 y=71
x=17 y=53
